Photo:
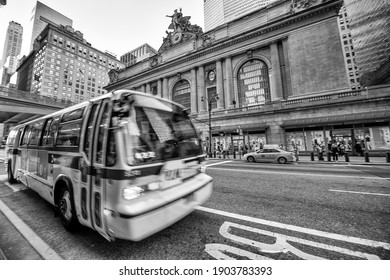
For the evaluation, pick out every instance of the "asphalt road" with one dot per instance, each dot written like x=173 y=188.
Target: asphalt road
x=256 y=211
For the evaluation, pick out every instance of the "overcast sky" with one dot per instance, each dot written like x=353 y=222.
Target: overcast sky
x=115 y=25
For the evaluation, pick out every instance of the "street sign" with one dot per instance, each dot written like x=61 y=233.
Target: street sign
x=215 y=127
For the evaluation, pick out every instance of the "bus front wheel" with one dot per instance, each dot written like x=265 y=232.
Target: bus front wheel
x=66 y=210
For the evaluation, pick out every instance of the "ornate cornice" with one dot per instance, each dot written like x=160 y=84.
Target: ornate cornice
x=291 y=18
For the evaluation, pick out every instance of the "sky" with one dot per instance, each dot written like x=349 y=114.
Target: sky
x=117 y=26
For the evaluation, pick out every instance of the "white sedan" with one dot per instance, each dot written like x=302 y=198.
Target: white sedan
x=270 y=155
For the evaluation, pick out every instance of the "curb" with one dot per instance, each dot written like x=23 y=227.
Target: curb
x=33 y=243
x=317 y=162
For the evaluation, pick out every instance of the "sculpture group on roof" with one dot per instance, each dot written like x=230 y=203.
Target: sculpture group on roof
x=182 y=30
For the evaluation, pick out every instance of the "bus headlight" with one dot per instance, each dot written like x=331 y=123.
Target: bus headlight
x=132 y=192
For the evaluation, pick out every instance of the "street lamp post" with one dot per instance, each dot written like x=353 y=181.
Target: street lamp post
x=209 y=101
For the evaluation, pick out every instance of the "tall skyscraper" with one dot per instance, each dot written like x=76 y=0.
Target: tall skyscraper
x=41 y=16
x=218 y=12
x=348 y=49
x=370 y=27
x=63 y=65
x=11 y=51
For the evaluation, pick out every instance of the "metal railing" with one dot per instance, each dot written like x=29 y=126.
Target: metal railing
x=21 y=95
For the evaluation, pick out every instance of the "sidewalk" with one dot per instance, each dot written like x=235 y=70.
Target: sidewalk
x=13 y=245
x=353 y=160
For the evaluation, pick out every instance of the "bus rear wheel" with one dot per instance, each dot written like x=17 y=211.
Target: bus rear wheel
x=11 y=178
x=67 y=211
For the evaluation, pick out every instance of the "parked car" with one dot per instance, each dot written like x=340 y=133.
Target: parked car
x=270 y=155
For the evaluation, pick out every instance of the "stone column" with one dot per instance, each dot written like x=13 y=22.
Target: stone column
x=221 y=101
x=275 y=134
x=159 y=88
x=202 y=106
x=194 y=95
x=143 y=88
x=276 y=78
x=287 y=68
x=148 y=88
x=229 y=96
x=165 y=88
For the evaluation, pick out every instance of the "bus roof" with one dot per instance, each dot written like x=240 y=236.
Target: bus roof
x=116 y=94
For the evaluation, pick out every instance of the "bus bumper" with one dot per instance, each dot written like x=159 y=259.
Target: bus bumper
x=141 y=226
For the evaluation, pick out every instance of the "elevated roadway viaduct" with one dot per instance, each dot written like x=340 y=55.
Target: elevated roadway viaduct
x=18 y=106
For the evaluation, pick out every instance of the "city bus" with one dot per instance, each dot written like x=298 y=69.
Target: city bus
x=126 y=164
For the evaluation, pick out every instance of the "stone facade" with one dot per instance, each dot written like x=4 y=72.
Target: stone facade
x=275 y=65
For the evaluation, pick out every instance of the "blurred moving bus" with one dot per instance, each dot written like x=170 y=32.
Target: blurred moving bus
x=126 y=164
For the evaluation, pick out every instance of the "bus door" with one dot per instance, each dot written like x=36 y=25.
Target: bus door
x=16 y=153
x=98 y=182
x=49 y=141
x=86 y=165
x=22 y=175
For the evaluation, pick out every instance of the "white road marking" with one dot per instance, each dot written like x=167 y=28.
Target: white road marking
x=302 y=174
x=280 y=245
x=381 y=194
x=35 y=241
x=325 y=234
x=217 y=163
x=218 y=252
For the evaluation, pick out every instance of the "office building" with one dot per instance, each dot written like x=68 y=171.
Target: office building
x=348 y=49
x=219 y=12
x=138 y=54
x=11 y=51
x=370 y=27
x=42 y=15
x=63 y=65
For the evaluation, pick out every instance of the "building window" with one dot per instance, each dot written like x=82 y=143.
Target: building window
x=253 y=83
x=182 y=93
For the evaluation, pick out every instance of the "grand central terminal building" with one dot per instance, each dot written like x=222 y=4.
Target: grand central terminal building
x=274 y=76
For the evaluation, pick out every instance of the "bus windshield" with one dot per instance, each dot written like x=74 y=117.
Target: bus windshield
x=159 y=131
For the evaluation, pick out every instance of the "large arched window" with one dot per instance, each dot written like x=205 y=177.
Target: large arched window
x=253 y=83
x=182 y=93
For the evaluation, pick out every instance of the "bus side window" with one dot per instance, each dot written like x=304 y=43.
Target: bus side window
x=111 y=148
x=68 y=135
x=52 y=131
x=35 y=134
x=11 y=137
x=46 y=133
x=26 y=134
x=88 y=138
x=101 y=130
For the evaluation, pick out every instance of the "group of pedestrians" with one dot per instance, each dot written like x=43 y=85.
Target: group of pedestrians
x=336 y=150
